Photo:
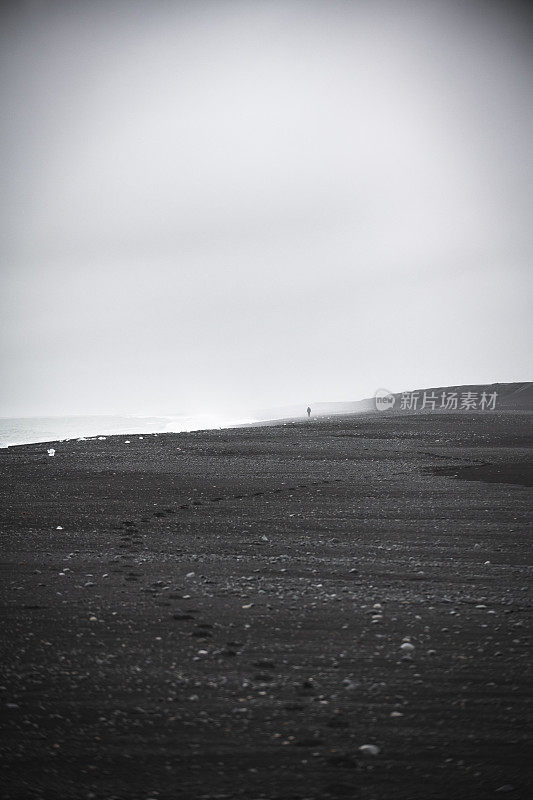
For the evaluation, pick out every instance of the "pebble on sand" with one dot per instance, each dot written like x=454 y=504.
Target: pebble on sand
x=407 y=647
x=369 y=749
x=51 y=451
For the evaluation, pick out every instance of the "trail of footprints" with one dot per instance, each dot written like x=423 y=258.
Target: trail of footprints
x=245 y=496
x=131 y=539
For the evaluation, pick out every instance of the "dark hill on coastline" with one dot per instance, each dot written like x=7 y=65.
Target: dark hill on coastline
x=509 y=397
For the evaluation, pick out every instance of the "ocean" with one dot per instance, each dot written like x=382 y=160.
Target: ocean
x=30 y=430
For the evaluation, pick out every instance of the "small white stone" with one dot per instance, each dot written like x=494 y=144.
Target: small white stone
x=369 y=749
x=407 y=647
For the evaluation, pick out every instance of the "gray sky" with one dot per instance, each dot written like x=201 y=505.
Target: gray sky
x=210 y=206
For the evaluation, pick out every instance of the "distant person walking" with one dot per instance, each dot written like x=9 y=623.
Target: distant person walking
x=308 y=412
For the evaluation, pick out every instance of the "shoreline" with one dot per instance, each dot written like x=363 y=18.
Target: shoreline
x=477 y=398
x=275 y=421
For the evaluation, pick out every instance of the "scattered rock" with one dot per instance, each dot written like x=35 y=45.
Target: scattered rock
x=369 y=749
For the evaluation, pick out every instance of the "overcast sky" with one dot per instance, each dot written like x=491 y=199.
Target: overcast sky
x=210 y=206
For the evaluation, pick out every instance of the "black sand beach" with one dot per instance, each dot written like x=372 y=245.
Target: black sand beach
x=221 y=614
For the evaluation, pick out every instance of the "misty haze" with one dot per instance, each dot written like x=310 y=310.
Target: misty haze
x=220 y=206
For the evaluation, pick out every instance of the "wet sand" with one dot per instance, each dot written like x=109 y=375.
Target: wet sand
x=221 y=614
